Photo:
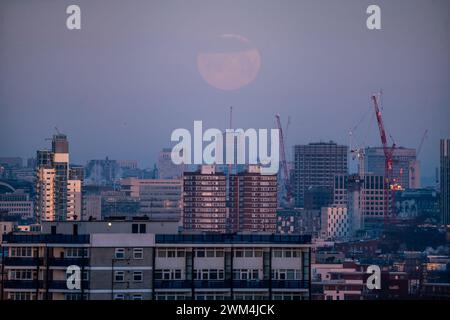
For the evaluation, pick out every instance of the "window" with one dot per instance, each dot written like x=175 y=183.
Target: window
x=138 y=276
x=119 y=296
x=180 y=253
x=138 y=253
x=134 y=228
x=119 y=276
x=137 y=297
x=120 y=253
x=171 y=253
x=219 y=253
x=21 y=252
x=277 y=253
x=142 y=228
x=168 y=274
x=161 y=253
x=75 y=252
x=200 y=253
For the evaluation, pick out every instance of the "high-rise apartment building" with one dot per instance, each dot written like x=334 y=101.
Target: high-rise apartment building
x=253 y=201
x=204 y=200
x=445 y=181
x=58 y=188
x=315 y=165
x=405 y=168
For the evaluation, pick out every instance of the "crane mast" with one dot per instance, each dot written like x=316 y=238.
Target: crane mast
x=388 y=157
x=287 y=184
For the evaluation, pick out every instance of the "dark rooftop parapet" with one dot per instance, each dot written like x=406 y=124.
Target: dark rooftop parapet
x=233 y=238
x=45 y=238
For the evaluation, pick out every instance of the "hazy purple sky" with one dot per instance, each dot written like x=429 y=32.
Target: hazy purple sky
x=119 y=86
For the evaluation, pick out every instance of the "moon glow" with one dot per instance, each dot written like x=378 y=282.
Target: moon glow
x=228 y=68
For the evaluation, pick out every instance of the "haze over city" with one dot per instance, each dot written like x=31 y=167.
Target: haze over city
x=119 y=86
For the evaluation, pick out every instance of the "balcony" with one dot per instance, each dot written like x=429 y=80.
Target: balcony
x=290 y=284
x=23 y=284
x=46 y=238
x=62 y=285
x=251 y=284
x=173 y=284
x=20 y=261
x=65 y=262
x=237 y=284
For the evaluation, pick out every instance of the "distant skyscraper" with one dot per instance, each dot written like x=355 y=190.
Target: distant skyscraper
x=405 y=168
x=166 y=168
x=58 y=188
x=445 y=181
x=204 y=200
x=364 y=198
x=336 y=223
x=315 y=165
x=104 y=172
x=253 y=201
x=159 y=198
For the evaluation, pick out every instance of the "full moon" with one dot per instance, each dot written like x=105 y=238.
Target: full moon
x=231 y=64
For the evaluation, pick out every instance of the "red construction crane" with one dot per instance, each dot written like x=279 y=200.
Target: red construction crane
x=286 y=180
x=388 y=158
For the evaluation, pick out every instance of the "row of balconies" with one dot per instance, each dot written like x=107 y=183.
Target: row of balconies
x=51 y=262
x=39 y=284
x=260 y=284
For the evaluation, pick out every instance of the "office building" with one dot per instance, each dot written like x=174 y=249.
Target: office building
x=315 y=165
x=158 y=198
x=11 y=162
x=299 y=221
x=104 y=172
x=405 y=168
x=92 y=207
x=364 y=199
x=336 y=223
x=253 y=201
x=118 y=204
x=17 y=205
x=166 y=168
x=445 y=181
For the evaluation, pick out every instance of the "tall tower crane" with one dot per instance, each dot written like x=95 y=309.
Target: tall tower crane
x=412 y=168
x=286 y=179
x=388 y=157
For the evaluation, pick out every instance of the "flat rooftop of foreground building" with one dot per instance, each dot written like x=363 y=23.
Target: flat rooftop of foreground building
x=257 y=239
x=233 y=238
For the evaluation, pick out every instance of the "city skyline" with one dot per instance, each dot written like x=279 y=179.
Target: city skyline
x=117 y=97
